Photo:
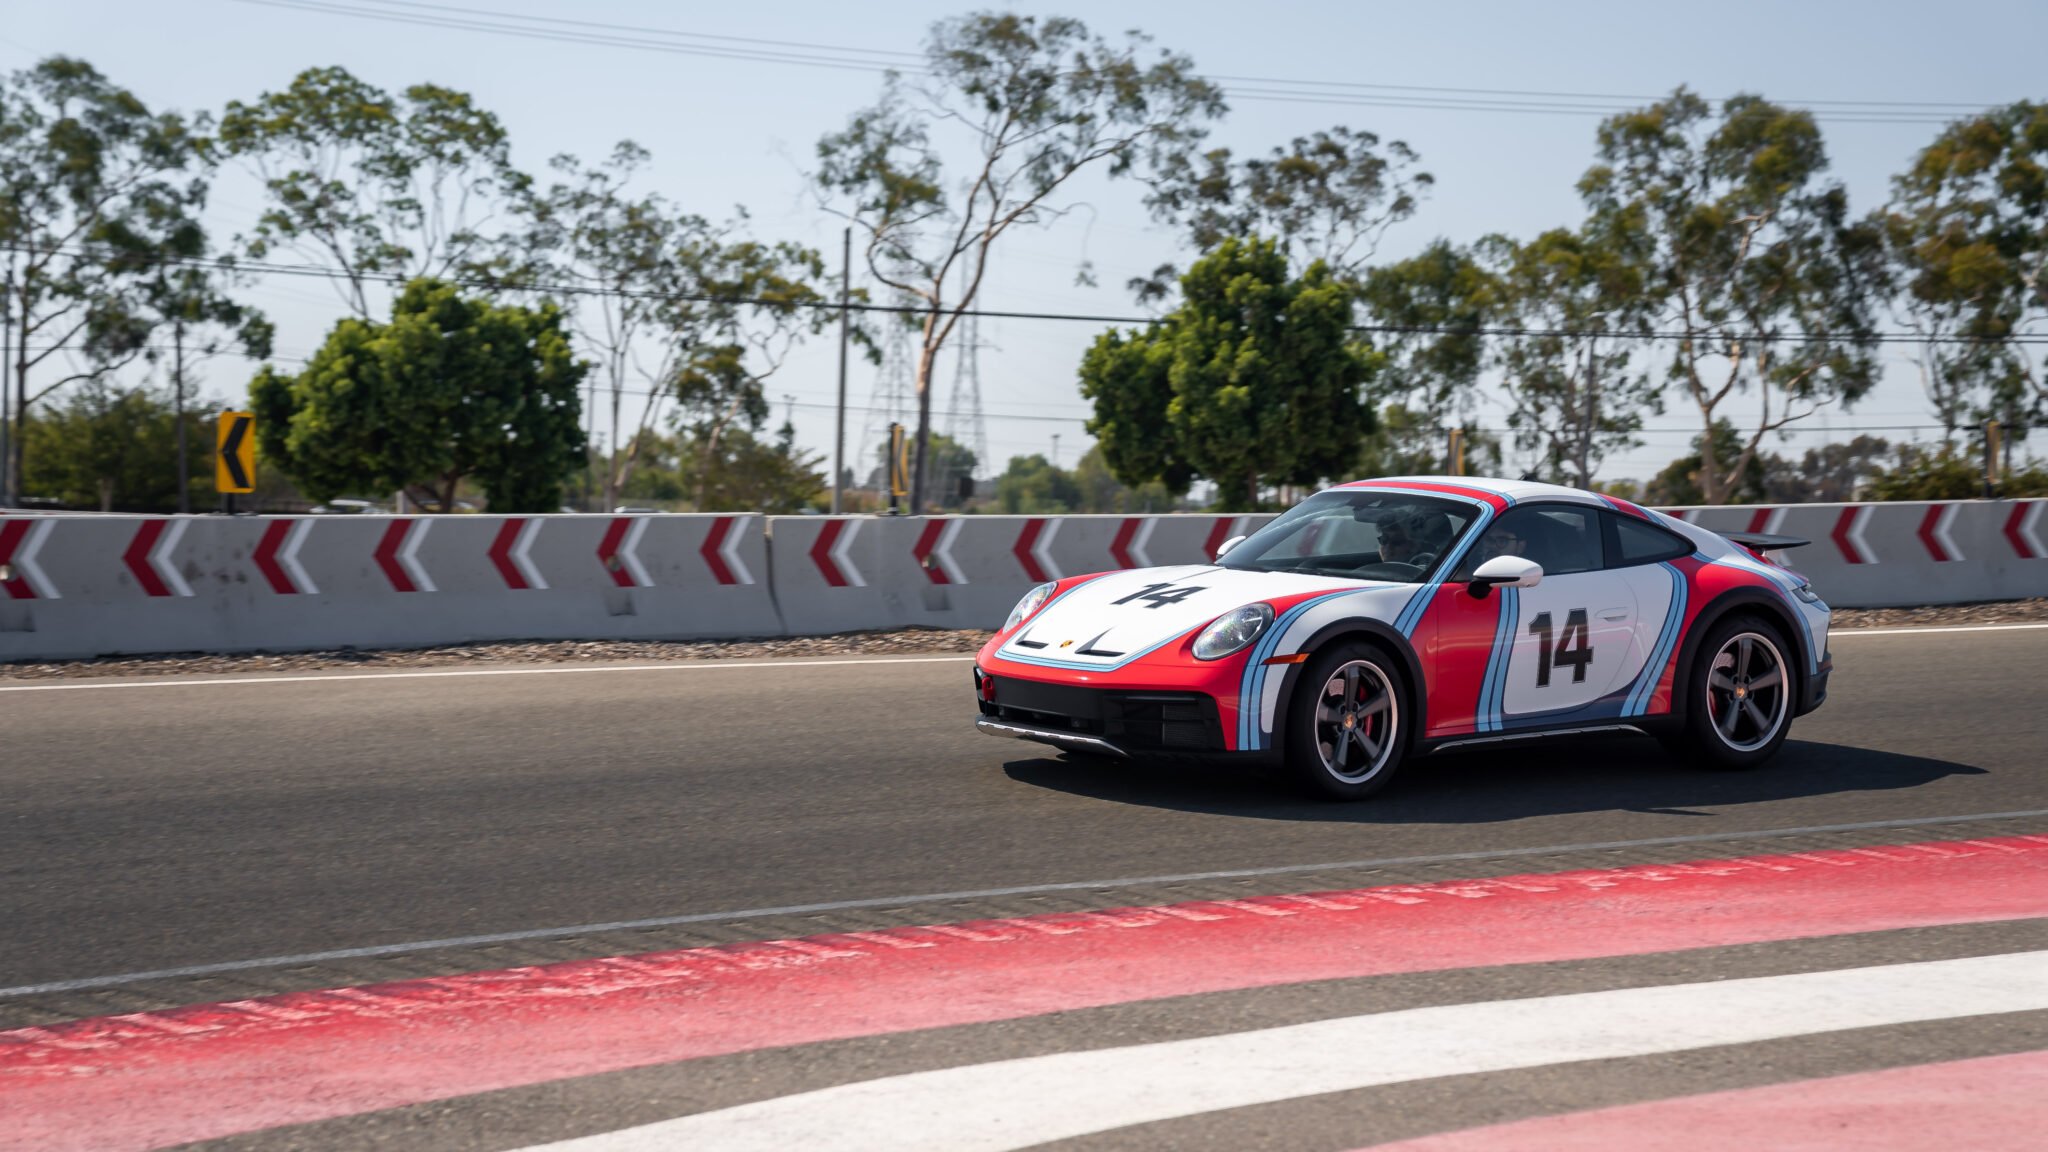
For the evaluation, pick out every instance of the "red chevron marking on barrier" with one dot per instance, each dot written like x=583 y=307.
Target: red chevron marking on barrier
x=1026 y=537
x=1217 y=535
x=387 y=555
x=265 y=557
x=1759 y=518
x=1934 y=535
x=137 y=557
x=821 y=553
x=501 y=553
x=714 y=551
x=2019 y=530
x=1976 y=1103
x=608 y=551
x=153 y=1079
x=1120 y=548
x=11 y=534
x=922 y=551
x=1848 y=535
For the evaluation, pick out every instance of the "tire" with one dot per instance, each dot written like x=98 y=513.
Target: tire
x=1737 y=720
x=1317 y=732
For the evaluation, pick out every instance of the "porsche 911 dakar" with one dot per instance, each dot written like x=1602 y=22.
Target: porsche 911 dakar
x=1386 y=619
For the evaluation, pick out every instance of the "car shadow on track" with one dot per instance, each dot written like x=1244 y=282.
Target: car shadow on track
x=1583 y=774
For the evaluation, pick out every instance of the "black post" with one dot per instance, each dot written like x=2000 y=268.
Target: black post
x=839 y=428
x=178 y=410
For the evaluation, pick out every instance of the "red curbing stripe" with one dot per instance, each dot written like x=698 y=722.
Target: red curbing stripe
x=922 y=551
x=1928 y=539
x=2015 y=531
x=147 y=1080
x=1844 y=525
x=137 y=558
x=387 y=555
x=1991 y=1102
x=265 y=557
x=1026 y=537
x=608 y=551
x=11 y=534
x=713 y=551
x=500 y=553
x=821 y=553
x=1120 y=548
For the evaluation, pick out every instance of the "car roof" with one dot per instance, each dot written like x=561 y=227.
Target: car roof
x=1515 y=490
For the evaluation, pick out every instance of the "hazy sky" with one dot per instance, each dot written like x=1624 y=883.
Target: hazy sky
x=730 y=131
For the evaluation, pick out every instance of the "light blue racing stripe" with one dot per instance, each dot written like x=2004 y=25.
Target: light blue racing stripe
x=1784 y=582
x=1411 y=616
x=1251 y=734
x=1638 y=701
x=1493 y=688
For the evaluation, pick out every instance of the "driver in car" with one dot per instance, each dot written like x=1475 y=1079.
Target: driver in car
x=1417 y=538
x=1499 y=540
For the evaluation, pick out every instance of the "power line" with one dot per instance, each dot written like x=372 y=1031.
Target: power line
x=593 y=33
x=488 y=284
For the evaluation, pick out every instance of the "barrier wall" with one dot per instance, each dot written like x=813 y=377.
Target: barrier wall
x=81 y=585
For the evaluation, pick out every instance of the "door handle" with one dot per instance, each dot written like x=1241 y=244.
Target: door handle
x=1614 y=613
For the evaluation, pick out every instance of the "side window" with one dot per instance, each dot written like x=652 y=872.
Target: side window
x=1562 y=539
x=1637 y=542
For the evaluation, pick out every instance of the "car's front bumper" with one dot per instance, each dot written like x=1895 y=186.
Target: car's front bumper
x=1119 y=721
x=1814 y=692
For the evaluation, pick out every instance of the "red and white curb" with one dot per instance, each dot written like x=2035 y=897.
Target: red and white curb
x=20 y=575
x=277 y=557
x=619 y=552
x=149 y=554
x=398 y=554
x=150 y=1079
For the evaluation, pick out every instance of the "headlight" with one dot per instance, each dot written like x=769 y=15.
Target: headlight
x=1805 y=592
x=1233 y=631
x=1029 y=604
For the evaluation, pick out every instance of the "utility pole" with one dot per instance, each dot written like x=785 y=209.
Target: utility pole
x=839 y=425
x=1055 y=449
x=6 y=365
x=178 y=411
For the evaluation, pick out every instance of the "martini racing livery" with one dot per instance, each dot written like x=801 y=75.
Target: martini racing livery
x=1385 y=619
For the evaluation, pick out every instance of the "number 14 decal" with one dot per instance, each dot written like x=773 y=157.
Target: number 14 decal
x=1571 y=650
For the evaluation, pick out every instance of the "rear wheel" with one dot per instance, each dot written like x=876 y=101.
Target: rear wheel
x=1741 y=686
x=1347 y=722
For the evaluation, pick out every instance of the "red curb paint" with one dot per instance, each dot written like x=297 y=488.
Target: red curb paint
x=1928 y=539
x=1843 y=524
x=11 y=534
x=265 y=557
x=608 y=551
x=387 y=555
x=2013 y=524
x=1026 y=537
x=501 y=553
x=137 y=557
x=1120 y=548
x=720 y=570
x=922 y=551
x=1985 y=1104
x=146 y=1080
x=821 y=553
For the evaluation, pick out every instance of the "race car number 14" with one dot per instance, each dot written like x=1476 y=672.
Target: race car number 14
x=1160 y=595
x=1571 y=650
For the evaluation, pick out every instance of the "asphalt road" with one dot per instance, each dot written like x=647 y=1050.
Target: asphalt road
x=148 y=828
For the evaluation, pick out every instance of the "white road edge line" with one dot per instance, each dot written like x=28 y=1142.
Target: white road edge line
x=1931 y=629
x=1035 y=1100
x=977 y=894
x=550 y=670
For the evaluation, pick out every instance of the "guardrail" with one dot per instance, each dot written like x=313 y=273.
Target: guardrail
x=82 y=586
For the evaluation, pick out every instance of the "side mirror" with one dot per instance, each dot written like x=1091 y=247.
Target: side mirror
x=1518 y=571
x=1227 y=545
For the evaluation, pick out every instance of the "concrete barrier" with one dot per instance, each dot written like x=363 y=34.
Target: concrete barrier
x=85 y=585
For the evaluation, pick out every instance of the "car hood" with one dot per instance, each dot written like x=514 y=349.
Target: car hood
x=1111 y=620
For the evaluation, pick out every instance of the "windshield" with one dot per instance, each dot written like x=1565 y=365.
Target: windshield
x=1357 y=533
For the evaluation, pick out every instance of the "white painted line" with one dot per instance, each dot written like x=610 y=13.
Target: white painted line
x=1022 y=1103
x=303 y=958
x=943 y=551
x=522 y=554
x=409 y=554
x=629 y=553
x=1933 y=630
x=1041 y=548
x=160 y=558
x=548 y=670
x=730 y=549
x=848 y=571
x=288 y=556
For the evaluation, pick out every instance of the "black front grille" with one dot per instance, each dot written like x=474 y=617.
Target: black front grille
x=1134 y=721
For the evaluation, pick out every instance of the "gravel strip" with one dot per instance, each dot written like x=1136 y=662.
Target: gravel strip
x=905 y=643
x=919 y=641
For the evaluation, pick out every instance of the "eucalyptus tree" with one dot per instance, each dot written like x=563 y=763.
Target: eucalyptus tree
x=380 y=188
x=1765 y=284
x=1031 y=102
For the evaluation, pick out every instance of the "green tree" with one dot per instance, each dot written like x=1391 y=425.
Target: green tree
x=1253 y=379
x=948 y=463
x=1431 y=310
x=381 y=188
x=1036 y=101
x=114 y=450
x=747 y=472
x=91 y=182
x=1968 y=227
x=1328 y=196
x=453 y=387
x=1032 y=485
x=1751 y=258
x=1101 y=491
x=1680 y=483
x=1830 y=474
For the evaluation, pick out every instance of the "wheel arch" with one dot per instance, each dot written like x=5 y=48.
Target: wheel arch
x=1735 y=601
x=1375 y=631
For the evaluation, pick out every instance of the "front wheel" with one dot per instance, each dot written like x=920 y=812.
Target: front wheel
x=1347 y=722
x=1742 y=685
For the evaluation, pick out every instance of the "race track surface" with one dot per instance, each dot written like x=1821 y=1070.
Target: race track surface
x=174 y=843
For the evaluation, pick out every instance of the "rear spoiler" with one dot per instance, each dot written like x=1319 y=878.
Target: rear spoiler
x=1762 y=542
